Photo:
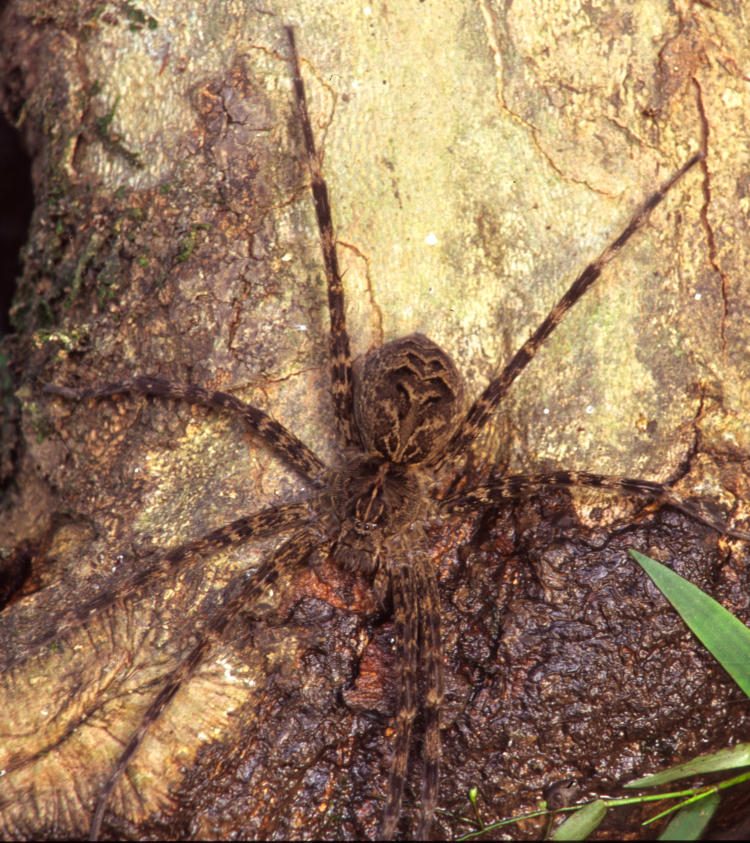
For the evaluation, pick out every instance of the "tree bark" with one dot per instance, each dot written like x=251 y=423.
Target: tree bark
x=477 y=157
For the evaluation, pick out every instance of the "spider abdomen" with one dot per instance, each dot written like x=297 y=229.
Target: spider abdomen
x=407 y=399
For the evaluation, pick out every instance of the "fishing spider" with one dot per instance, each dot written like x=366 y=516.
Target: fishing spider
x=405 y=432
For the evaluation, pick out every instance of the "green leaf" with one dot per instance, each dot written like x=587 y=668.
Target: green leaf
x=723 y=759
x=580 y=824
x=727 y=638
x=689 y=823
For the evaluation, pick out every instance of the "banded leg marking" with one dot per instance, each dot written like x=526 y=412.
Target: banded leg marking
x=517 y=485
x=407 y=642
x=291 y=449
x=338 y=345
x=264 y=523
x=427 y=588
x=236 y=596
x=488 y=401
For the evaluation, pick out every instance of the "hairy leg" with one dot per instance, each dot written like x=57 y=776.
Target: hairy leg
x=432 y=648
x=239 y=594
x=406 y=612
x=265 y=523
x=516 y=485
x=488 y=401
x=291 y=449
x=341 y=363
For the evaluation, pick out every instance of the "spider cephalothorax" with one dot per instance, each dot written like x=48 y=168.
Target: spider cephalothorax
x=404 y=429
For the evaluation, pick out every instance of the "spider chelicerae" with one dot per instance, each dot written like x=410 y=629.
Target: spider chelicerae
x=405 y=429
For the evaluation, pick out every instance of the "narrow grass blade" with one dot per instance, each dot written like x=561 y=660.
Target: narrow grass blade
x=691 y=820
x=580 y=824
x=713 y=762
x=727 y=638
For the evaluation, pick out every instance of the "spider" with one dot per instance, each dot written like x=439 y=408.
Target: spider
x=405 y=430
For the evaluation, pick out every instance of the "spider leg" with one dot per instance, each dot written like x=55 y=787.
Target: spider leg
x=406 y=614
x=236 y=596
x=487 y=403
x=429 y=616
x=338 y=342
x=516 y=485
x=291 y=449
x=265 y=523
